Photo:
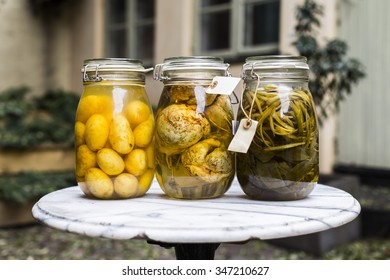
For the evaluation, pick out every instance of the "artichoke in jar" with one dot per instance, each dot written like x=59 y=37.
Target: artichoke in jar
x=220 y=114
x=192 y=134
x=185 y=94
x=179 y=127
x=208 y=160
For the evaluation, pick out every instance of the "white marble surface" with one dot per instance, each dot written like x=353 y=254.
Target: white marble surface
x=231 y=218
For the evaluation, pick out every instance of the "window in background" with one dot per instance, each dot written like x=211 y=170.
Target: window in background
x=236 y=28
x=215 y=19
x=130 y=29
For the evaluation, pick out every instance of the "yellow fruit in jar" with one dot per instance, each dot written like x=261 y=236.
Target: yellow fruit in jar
x=85 y=159
x=136 y=162
x=96 y=132
x=121 y=136
x=149 y=150
x=94 y=104
x=84 y=188
x=126 y=185
x=136 y=112
x=98 y=183
x=79 y=132
x=145 y=180
x=108 y=145
x=143 y=133
x=110 y=161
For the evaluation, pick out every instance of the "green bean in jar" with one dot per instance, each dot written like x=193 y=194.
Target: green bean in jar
x=282 y=162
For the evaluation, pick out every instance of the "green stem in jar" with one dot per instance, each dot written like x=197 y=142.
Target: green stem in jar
x=283 y=147
x=284 y=121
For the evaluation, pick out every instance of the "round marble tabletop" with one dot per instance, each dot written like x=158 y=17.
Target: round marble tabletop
x=231 y=218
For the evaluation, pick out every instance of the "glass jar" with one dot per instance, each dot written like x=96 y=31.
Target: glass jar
x=114 y=130
x=282 y=162
x=193 y=129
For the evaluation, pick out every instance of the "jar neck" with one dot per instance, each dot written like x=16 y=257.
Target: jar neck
x=188 y=82
x=189 y=76
x=113 y=69
x=190 y=68
x=275 y=67
x=293 y=84
x=116 y=82
x=131 y=78
x=277 y=74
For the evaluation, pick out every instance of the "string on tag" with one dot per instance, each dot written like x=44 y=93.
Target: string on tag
x=236 y=99
x=248 y=122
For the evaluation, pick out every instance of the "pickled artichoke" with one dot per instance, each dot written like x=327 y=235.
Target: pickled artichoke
x=185 y=94
x=220 y=114
x=208 y=160
x=191 y=146
x=178 y=127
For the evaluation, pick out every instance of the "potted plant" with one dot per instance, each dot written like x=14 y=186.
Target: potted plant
x=333 y=74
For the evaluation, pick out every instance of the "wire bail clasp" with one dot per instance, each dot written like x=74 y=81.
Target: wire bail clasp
x=252 y=76
x=97 y=78
x=158 y=73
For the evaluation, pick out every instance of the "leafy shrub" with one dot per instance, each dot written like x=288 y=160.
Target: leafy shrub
x=22 y=187
x=332 y=73
x=28 y=123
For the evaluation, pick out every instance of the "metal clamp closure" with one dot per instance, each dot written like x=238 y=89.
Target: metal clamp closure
x=252 y=75
x=158 y=73
x=97 y=78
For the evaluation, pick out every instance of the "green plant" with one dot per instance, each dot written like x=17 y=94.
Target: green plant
x=332 y=74
x=22 y=187
x=28 y=123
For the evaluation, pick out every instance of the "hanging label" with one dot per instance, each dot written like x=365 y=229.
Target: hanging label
x=244 y=136
x=234 y=126
x=200 y=96
x=223 y=85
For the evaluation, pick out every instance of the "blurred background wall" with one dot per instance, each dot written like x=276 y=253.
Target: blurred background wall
x=43 y=44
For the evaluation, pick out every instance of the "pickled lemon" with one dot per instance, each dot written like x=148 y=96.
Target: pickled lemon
x=143 y=133
x=98 y=183
x=79 y=131
x=136 y=162
x=94 y=104
x=85 y=159
x=149 y=150
x=126 y=185
x=96 y=132
x=145 y=180
x=136 y=112
x=121 y=136
x=110 y=161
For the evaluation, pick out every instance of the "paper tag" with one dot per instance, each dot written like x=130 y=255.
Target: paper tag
x=234 y=126
x=223 y=85
x=200 y=96
x=244 y=136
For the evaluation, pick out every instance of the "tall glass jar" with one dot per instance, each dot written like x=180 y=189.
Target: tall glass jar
x=193 y=129
x=282 y=160
x=114 y=130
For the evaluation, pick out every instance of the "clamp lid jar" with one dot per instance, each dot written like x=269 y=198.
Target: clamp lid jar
x=114 y=130
x=282 y=162
x=193 y=129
